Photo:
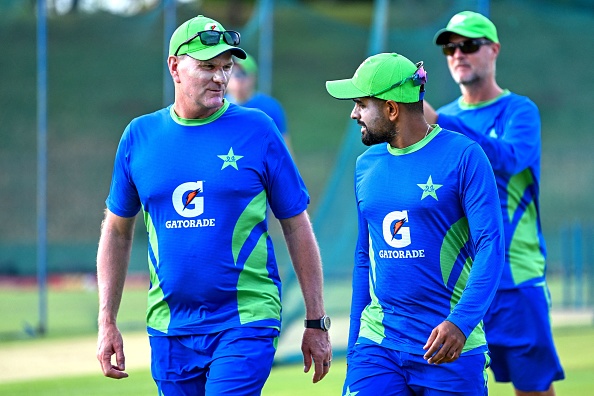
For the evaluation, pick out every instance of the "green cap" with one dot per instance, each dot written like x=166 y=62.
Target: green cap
x=195 y=48
x=249 y=65
x=375 y=76
x=468 y=24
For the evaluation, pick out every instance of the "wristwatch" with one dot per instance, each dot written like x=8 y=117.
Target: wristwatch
x=322 y=324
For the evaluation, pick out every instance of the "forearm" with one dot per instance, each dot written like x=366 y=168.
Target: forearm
x=482 y=208
x=517 y=145
x=480 y=289
x=113 y=256
x=305 y=255
x=360 y=299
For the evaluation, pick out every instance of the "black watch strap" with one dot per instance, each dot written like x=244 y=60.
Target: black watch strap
x=323 y=323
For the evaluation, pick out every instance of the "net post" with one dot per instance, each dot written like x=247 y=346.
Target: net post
x=42 y=163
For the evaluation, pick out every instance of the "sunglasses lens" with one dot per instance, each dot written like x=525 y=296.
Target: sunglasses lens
x=231 y=37
x=213 y=37
x=210 y=37
x=448 y=49
x=420 y=77
x=469 y=47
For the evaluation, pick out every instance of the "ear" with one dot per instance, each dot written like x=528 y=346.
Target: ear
x=173 y=65
x=495 y=47
x=392 y=110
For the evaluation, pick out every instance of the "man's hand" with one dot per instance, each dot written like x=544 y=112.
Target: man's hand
x=316 y=346
x=444 y=344
x=110 y=342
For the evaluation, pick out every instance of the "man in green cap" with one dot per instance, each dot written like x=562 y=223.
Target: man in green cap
x=203 y=172
x=430 y=248
x=507 y=126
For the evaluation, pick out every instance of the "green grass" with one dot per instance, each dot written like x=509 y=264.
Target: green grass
x=74 y=311
x=574 y=346
x=70 y=312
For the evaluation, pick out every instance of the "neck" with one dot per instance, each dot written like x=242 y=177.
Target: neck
x=480 y=92
x=193 y=112
x=411 y=133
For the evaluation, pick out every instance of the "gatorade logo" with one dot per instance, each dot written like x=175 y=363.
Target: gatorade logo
x=393 y=230
x=211 y=26
x=187 y=200
x=397 y=236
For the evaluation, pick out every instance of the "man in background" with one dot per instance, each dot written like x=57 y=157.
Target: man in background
x=242 y=90
x=203 y=172
x=507 y=126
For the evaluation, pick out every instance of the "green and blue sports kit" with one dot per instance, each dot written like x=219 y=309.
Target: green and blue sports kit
x=429 y=249
x=204 y=187
x=518 y=322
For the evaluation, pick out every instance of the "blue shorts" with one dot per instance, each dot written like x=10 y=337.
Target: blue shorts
x=232 y=362
x=373 y=370
x=518 y=331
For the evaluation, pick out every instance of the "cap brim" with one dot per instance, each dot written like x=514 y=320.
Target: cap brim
x=344 y=89
x=443 y=36
x=216 y=50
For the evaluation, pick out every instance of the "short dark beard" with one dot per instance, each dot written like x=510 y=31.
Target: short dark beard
x=384 y=132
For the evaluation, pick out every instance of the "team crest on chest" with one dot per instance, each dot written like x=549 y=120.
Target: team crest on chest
x=230 y=159
x=430 y=189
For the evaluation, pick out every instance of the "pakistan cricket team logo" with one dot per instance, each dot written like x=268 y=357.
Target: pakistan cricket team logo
x=429 y=189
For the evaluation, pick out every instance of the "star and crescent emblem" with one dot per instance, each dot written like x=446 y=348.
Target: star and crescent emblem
x=430 y=189
x=230 y=159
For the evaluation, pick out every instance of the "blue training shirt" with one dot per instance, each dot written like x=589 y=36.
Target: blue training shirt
x=271 y=107
x=508 y=130
x=203 y=187
x=430 y=245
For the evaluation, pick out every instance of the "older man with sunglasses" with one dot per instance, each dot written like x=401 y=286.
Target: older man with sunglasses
x=430 y=244
x=203 y=172
x=507 y=126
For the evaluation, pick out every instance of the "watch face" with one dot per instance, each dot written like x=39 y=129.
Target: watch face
x=327 y=322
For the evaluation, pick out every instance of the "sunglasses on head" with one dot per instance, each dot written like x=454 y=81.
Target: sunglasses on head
x=213 y=37
x=418 y=78
x=467 y=46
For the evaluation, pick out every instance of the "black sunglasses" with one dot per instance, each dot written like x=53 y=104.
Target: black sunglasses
x=467 y=46
x=213 y=37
